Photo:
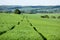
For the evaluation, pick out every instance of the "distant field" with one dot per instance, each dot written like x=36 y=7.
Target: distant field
x=20 y=27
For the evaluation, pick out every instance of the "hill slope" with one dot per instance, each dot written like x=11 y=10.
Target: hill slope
x=36 y=9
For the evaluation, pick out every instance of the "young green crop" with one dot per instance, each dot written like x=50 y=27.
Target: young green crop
x=50 y=28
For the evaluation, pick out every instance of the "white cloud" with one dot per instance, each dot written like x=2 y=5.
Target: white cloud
x=29 y=2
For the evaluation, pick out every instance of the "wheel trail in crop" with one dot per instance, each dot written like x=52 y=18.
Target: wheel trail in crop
x=44 y=38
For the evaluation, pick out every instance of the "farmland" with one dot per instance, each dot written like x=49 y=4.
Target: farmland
x=21 y=27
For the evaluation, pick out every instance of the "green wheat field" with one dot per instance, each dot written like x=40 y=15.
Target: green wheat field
x=20 y=27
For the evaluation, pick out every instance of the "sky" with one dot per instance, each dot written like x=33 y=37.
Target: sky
x=30 y=2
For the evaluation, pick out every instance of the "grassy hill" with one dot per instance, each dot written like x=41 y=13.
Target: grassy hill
x=29 y=27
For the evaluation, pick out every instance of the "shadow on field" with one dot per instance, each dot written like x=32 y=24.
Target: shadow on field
x=30 y=24
x=18 y=23
x=21 y=20
x=12 y=27
x=2 y=32
x=40 y=33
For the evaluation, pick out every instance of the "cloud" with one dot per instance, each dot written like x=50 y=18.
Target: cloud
x=29 y=2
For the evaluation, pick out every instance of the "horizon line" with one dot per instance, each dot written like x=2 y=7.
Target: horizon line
x=29 y=5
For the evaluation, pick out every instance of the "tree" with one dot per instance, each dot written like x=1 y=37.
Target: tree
x=17 y=11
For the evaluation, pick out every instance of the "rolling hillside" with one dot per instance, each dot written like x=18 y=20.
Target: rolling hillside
x=33 y=9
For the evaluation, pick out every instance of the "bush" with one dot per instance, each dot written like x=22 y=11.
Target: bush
x=45 y=16
x=53 y=17
x=42 y=16
x=58 y=17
